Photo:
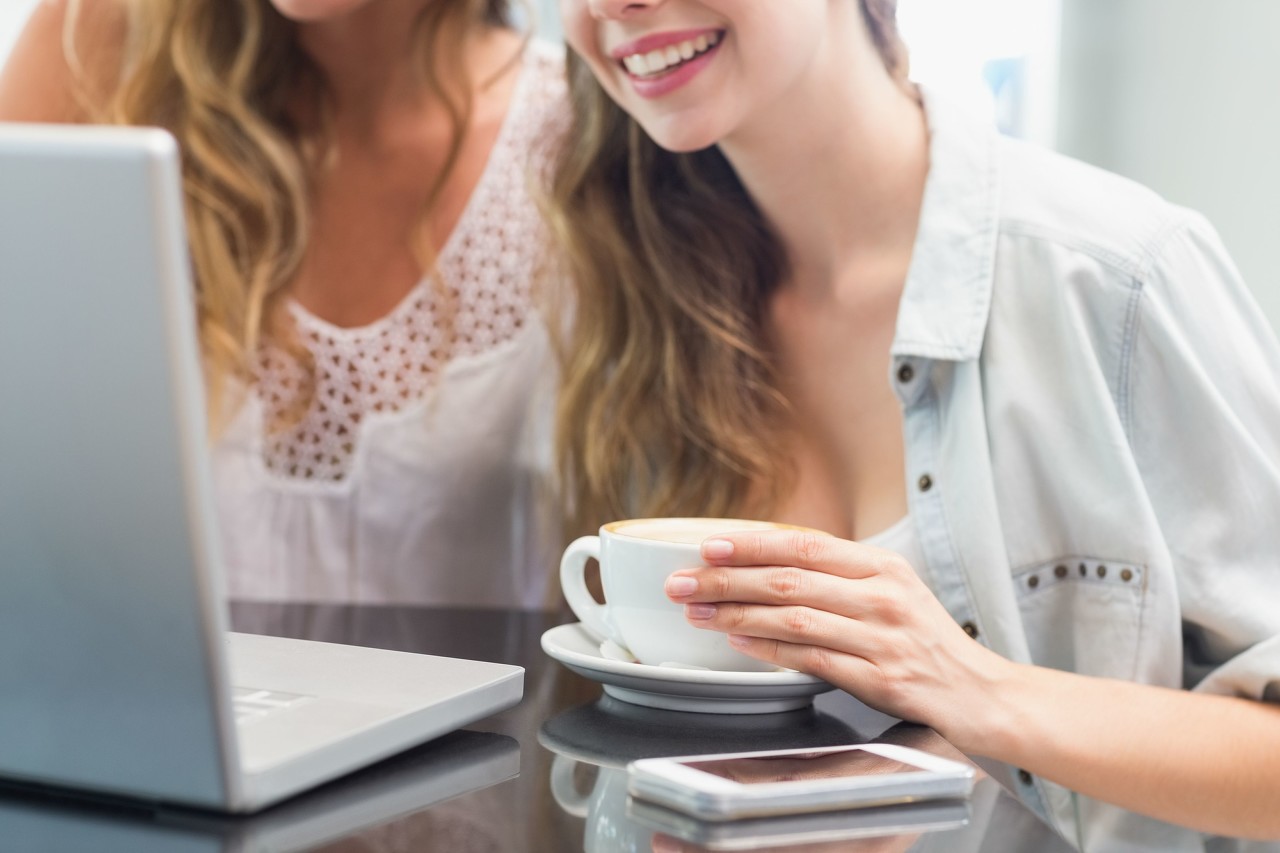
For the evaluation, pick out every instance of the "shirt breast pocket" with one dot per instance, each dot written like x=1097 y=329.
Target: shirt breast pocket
x=1083 y=614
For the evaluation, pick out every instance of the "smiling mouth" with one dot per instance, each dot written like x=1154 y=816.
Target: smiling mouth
x=657 y=63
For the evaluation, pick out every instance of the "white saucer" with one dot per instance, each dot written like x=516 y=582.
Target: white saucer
x=672 y=689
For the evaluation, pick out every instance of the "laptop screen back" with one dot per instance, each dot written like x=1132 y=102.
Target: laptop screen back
x=111 y=671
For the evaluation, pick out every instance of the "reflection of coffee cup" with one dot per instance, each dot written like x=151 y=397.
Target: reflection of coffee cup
x=604 y=809
x=636 y=557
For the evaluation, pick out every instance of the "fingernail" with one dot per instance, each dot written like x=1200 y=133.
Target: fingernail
x=700 y=611
x=663 y=844
x=739 y=641
x=717 y=549
x=681 y=585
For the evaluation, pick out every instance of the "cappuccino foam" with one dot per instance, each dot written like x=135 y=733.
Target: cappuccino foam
x=688 y=531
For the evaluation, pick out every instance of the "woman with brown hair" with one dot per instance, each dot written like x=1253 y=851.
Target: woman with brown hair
x=365 y=249
x=1032 y=400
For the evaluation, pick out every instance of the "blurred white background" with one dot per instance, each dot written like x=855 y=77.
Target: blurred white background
x=1178 y=94
x=12 y=14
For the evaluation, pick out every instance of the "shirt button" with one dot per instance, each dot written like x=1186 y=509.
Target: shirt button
x=970 y=629
x=906 y=373
x=925 y=482
x=1024 y=777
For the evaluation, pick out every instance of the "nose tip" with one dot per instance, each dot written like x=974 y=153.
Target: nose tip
x=617 y=9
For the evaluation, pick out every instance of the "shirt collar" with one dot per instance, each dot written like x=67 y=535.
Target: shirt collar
x=944 y=307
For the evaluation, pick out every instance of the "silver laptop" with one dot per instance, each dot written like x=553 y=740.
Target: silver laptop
x=117 y=672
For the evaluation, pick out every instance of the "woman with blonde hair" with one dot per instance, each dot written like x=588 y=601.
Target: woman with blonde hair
x=357 y=180
x=1032 y=400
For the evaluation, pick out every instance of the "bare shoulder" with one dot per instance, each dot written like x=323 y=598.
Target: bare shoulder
x=67 y=57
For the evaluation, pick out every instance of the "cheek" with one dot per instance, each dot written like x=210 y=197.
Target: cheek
x=580 y=34
x=769 y=69
x=578 y=27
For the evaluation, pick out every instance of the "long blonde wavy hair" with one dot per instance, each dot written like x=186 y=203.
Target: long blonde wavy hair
x=225 y=77
x=669 y=403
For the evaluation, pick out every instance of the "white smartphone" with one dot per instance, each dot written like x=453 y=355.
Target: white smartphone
x=754 y=784
x=785 y=832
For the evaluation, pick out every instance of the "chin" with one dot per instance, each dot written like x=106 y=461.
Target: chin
x=680 y=137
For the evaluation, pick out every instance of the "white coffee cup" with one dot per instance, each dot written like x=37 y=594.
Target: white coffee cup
x=636 y=556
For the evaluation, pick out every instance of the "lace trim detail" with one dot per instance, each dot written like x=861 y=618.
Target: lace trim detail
x=479 y=298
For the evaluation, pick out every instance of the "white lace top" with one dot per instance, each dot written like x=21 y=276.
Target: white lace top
x=414 y=475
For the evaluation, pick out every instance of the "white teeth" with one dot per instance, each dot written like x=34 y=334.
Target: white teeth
x=657 y=61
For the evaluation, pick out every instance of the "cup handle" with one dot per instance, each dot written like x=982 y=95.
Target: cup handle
x=564 y=790
x=573 y=582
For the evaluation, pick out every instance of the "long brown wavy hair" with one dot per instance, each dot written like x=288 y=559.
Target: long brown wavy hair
x=225 y=77
x=669 y=403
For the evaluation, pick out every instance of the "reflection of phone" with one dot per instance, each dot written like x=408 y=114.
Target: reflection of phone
x=770 y=833
x=752 y=784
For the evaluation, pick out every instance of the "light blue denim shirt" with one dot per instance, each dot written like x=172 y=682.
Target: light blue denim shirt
x=1092 y=416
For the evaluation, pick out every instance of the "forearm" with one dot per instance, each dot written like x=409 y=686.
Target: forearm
x=862 y=619
x=1208 y=762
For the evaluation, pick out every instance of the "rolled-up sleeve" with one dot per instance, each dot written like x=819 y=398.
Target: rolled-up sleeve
x=1205 y=424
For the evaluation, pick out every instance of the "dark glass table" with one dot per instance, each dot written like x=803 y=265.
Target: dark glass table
x=543 y=777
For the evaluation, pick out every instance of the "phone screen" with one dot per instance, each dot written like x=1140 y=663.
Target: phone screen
x=802 y=766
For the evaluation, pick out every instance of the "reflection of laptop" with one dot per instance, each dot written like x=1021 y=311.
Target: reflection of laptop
x=116 y=670
x=397 y=788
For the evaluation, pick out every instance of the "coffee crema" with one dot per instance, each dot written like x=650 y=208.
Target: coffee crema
x=690 y=531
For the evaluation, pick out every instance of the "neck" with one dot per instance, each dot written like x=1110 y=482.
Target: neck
x=846 y=192
x=369 y=61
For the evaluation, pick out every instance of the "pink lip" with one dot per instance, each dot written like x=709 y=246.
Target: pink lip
x=658 y=41
x=665 y=84
x=668 y=82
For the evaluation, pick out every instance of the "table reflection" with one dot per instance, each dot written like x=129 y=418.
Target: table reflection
x=411 y=789
x=592 y=744
x=569 y=745
x=888 y=828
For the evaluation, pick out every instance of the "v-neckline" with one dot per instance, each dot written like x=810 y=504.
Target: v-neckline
x=483 y=187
